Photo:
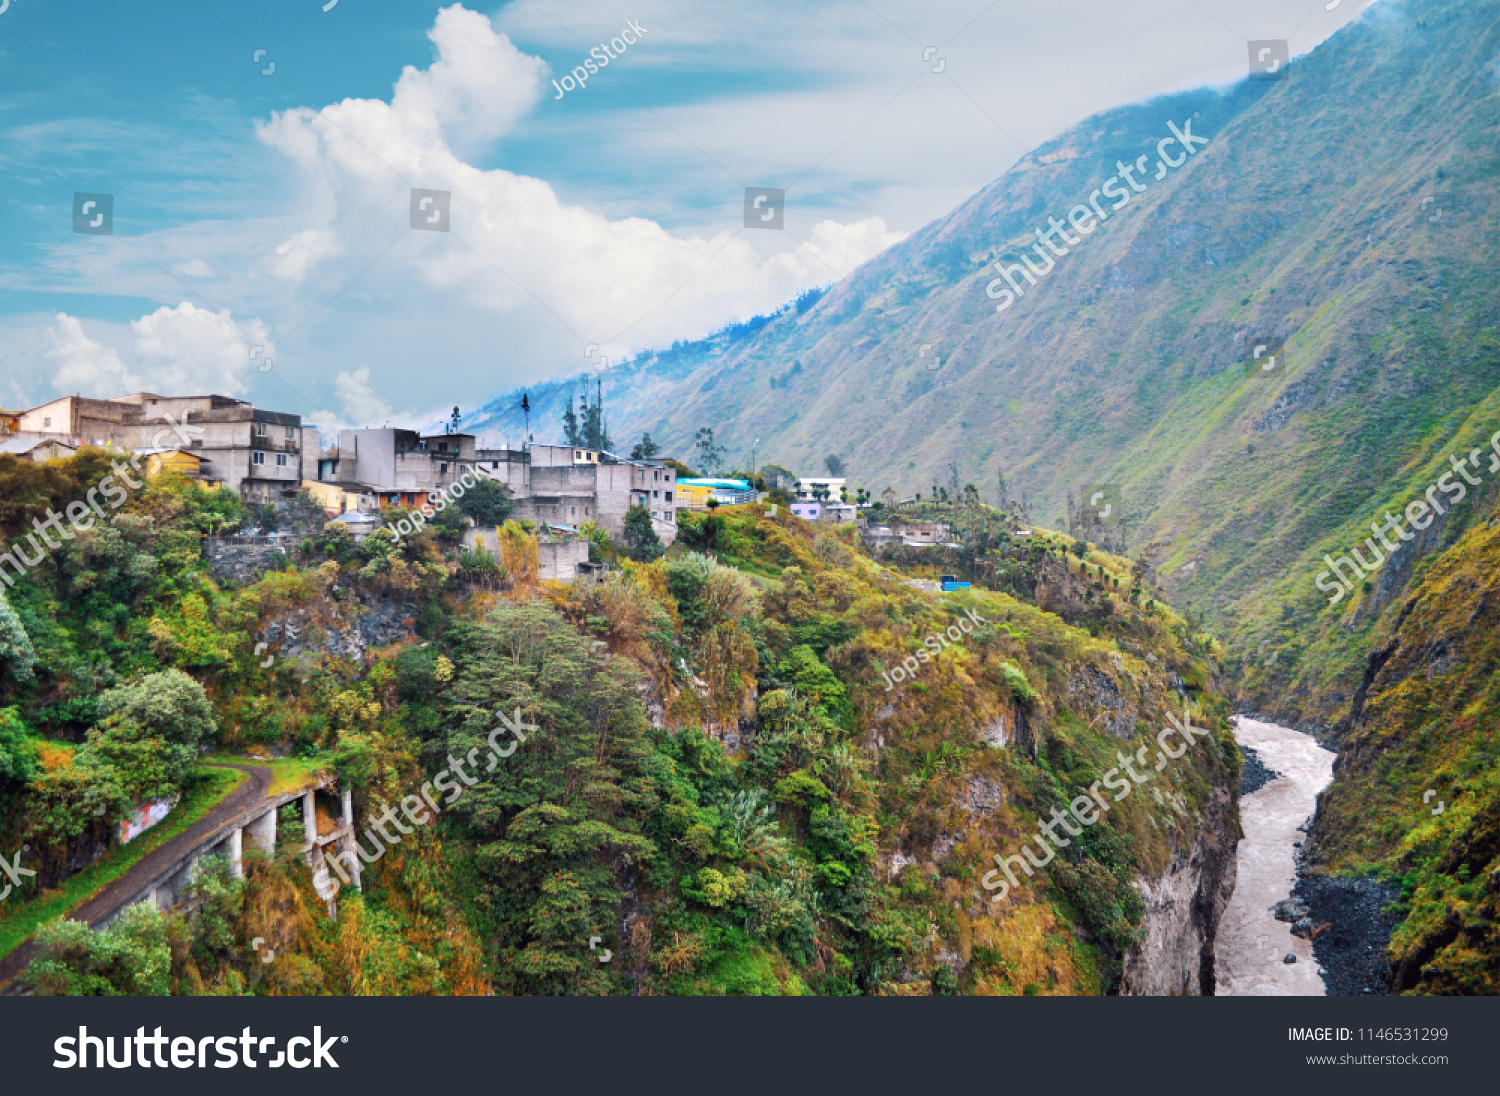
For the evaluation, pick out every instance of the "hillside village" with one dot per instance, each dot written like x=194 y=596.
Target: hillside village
x=370 y=476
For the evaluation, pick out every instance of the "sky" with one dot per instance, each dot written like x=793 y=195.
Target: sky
x=258 y=163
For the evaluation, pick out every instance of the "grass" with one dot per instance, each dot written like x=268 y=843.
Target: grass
x=20 y=922
x=288 y=774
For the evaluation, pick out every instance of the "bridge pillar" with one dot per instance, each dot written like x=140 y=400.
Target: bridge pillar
x=350 y=844
x=262 y=833
x=237 y=852
x=310 y=823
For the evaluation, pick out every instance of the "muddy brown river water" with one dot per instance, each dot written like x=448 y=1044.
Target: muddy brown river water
x=1252 y=945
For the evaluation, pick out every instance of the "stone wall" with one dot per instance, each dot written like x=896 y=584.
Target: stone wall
x=242 y=559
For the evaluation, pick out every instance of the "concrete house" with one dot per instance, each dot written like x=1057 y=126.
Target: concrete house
x=255 y=452
x=567 y=485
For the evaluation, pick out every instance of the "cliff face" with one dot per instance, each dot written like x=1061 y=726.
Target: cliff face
x=1175 y=957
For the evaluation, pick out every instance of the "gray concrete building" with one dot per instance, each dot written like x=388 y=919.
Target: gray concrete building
x=566 y=485
x=255 y=452
x=398 y=460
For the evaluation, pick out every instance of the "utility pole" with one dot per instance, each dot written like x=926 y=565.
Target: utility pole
x=753 y=448
x=526 y=410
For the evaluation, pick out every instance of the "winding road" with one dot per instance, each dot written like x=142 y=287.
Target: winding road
x=109 y=900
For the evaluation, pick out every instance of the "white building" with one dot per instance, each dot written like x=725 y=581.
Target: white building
x=833 y=484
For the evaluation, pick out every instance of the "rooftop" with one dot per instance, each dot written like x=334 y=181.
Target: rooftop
x=743 y=485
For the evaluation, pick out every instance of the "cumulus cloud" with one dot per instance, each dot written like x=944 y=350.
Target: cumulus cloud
x=183 y=351
x=514 y=243
x=361 y=404
x=85 y=365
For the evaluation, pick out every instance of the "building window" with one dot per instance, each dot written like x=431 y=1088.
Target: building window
x=257 y=457
x=290 y=433
x=656 y=494
x=280 y=460
x=260 y=430
x=46 y=422
x=494 y=464
x=442 y=469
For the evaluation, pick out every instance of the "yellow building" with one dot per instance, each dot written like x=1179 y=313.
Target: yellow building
x=692 y=496
x=340 y=498
x=179 y=462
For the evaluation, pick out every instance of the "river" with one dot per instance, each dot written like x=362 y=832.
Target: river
x=1251 y=944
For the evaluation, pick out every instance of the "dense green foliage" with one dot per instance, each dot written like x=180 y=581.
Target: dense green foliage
x=712 y=783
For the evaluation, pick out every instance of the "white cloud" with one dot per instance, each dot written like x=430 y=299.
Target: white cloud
x=515 y=244
x=195 y=268
x=303 y=251
x=476 y=90
x=85 y=365
x=192 y=350
x=183 y=351
x=361 y=405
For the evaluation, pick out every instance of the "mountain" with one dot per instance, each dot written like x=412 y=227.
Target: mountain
x=1348 y=210
x=1417 y=795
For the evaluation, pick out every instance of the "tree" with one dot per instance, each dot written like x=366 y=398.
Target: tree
x=486 y=502
x=778 y=478
x=834 y=464
x=640 y=539
x=17 y=750
x=585 y=427
x=710 y=456
x=644 y=449
x=16 y=654
x=130 y=957
x=153 y=726
x=591 y=420
x=554 y=824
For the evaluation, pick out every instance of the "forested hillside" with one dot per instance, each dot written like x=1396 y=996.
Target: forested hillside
x=716 y=782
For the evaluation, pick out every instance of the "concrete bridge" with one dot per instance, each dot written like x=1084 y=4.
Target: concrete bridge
x=168 y=886
x=164 y=876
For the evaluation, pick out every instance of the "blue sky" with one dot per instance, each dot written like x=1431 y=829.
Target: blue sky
x=270 y=211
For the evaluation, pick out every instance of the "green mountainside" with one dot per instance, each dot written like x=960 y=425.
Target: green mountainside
x=1417 y=799
x=1305 y=218
x=1346 y=218
x=715 y=785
